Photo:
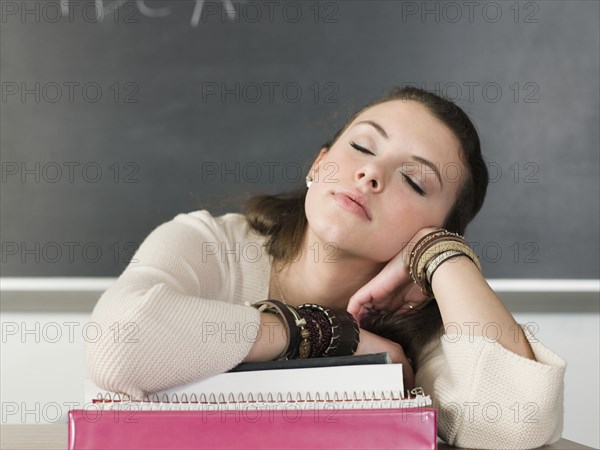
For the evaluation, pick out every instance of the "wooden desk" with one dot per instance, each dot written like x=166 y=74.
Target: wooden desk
x=46 y=437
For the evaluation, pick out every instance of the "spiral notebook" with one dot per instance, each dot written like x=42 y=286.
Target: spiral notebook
x=355 y=386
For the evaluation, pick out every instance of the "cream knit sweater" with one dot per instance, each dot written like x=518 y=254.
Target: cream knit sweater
x=177 y=315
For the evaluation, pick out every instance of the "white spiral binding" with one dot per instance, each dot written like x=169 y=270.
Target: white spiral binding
x=263 y=401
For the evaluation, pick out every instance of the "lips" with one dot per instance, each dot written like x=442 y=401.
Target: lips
x=357 y=197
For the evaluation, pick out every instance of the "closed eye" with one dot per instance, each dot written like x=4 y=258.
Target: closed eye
x=361 y=149
x=414 y=185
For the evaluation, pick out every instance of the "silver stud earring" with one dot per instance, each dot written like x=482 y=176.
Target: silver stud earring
x=309 y=181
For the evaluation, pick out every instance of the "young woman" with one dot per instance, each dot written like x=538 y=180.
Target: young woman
x=372 y=245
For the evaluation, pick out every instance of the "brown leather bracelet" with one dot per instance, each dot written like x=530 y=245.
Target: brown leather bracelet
x=298 y=345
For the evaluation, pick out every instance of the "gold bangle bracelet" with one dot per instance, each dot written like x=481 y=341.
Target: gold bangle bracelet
x=438 y=261
x=436 y=249
x=441 y=247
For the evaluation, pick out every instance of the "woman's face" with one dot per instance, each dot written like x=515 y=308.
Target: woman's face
x=410 y=151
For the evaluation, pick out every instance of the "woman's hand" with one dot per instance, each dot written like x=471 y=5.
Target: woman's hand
x=392 y=289
x=372 y=343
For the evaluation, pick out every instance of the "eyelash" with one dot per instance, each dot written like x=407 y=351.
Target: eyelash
x=415 y=186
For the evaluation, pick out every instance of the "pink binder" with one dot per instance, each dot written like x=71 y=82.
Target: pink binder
x=389 y=428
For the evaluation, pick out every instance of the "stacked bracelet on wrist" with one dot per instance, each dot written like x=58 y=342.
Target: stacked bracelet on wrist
x=344 y=331
x=314 y=330
x=298 y=344
x=431 y=251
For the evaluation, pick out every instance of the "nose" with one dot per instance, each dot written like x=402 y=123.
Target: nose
x=371 y=177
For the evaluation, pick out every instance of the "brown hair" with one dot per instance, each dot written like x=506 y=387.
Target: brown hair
x=283 y=219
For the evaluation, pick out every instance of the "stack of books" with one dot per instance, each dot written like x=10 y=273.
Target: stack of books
x=348 y=402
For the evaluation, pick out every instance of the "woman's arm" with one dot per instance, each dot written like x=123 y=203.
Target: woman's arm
x=493 y=383
x=172 y=316
x=469 y=305
x=494 y=386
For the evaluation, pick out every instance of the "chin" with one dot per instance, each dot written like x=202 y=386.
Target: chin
x=331 y=227
x=338 y=240
x=330 y=231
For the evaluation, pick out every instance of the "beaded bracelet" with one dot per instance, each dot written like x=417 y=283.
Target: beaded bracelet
x=320 y=331
x=345 y=333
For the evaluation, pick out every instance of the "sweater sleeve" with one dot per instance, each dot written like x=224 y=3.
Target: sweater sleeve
x=169 y=318
x=488 y=397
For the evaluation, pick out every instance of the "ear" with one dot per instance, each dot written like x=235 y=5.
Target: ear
x=315 y=164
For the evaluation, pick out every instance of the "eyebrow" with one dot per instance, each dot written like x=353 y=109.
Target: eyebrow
x=382 y=132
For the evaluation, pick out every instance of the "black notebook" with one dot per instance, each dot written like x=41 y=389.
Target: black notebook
x=352 y=360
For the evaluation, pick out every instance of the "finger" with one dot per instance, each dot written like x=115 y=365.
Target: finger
x=416 y=306
x=357 y=300
x=353 y=309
